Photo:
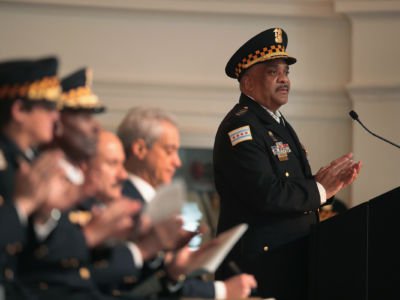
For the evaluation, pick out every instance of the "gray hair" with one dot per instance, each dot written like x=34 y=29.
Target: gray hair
x=143 y=123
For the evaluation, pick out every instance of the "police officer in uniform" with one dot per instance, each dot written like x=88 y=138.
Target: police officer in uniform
x=261 y=169
x=29 y=91
x=56 y=261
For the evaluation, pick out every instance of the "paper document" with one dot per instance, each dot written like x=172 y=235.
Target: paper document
x=209 y=258
x=167 y=202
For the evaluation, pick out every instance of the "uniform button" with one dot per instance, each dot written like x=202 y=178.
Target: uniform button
x=1 y=200
x=11 y=249
x=129 y=279
x=41 y=252
x=65 y=263
x=287 y=174
x=18 y=247
x=266 y=248
x=9 y=274
x=43 y=286
x=160 y=274
x=84 y=273
x=73 y=263
x=101 y=264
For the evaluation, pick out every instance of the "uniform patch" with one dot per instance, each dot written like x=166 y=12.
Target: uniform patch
x=3 y=161
x=240 y=134
x=281 y=150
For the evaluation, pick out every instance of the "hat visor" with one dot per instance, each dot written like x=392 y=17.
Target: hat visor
x=47 y=104
x=91 y=110
x=291 y=60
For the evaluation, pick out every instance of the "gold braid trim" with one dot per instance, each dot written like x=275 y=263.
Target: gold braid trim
x=81 y=97
x=48 y=88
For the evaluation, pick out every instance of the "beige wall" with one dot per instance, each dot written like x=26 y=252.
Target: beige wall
x=172 y=54
x=374 y=89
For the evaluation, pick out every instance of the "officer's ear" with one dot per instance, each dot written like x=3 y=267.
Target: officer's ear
x=246 y=83
x=139 y=149
x=18 y=111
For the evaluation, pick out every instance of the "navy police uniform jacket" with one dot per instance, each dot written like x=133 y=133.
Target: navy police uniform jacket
x=58 y=266
x=112 y=265
x=12 y=232
x=263 y=178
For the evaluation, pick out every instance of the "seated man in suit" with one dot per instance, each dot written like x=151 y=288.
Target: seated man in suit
x=120 y=265
x=151 y=142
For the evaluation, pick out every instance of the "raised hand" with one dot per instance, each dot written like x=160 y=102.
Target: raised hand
x=338 y=174
x=114 y=221
x=42 y=184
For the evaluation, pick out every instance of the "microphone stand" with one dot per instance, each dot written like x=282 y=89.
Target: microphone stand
x=354 y=116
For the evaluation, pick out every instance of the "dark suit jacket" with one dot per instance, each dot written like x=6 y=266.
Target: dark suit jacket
x=191 y=287
x=276 y=196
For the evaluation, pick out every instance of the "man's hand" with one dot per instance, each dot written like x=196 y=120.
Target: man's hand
x=239 y=286
x=41 y=184
x=115 y=220
x=167 y=235
x=171 y=235
x=185 y=260
x=338 y=174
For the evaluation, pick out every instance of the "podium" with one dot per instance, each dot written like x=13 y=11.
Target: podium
x=356 y=255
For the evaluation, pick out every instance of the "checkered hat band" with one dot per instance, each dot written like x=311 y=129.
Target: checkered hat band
x=275 y=51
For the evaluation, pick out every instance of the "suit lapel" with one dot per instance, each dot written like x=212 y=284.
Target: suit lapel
x=129 y=190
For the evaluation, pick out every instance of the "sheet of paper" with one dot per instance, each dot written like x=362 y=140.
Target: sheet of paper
x=167 y=202
x=209 y=258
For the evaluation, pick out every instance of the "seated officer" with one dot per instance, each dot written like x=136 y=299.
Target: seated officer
x=29 y=91
x=55 y=264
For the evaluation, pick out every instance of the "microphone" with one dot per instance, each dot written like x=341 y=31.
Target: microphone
x=354 y=116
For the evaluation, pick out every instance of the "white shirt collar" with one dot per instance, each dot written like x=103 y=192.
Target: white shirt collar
x=276 y=115
x=144 y=188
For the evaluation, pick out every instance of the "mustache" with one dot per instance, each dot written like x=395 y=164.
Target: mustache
x=284 y=85
x=119 y=183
